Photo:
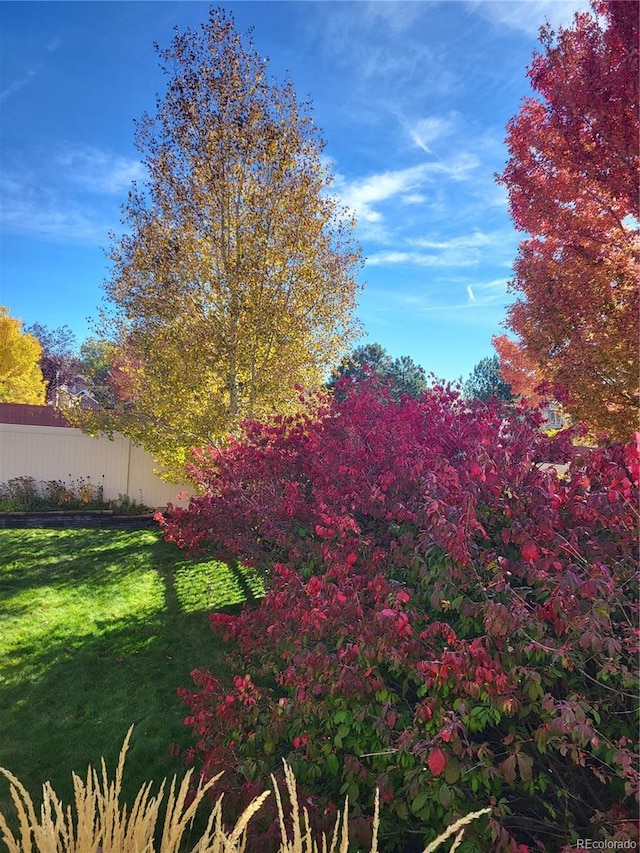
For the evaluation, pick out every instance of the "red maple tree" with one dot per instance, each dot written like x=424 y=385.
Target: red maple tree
x=572 y=179
x=517 y=369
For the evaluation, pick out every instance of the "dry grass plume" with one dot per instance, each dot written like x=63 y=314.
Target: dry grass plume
x=100 y=823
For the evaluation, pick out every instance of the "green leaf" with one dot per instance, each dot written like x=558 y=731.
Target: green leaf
x=452 y=771
x=332 y=763
x=353 y=792
x=419 y=801
x=401 y=810
x=445 y=796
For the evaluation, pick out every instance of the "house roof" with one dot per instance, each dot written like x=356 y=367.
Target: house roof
x=20 y=413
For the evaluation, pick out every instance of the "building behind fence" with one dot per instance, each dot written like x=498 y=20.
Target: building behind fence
x=37 y=441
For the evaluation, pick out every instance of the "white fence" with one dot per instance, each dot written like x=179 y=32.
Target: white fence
x=67 y=454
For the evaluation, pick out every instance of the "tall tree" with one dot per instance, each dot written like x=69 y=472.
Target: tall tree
x=96 y=365
x=486 y=381
x=518 y=371
x=403 y=376
x=362 y=362
x=59 y=362
x=572 y=179
x=235 y=281
x=407 y=378
x=20 y=374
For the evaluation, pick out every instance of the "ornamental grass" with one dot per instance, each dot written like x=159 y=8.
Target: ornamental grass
x=100 y=823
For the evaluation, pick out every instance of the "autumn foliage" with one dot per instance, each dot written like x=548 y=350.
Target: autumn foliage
x=447 y=620
x=21 y=378
x=517 y=370
x=572 y=179
x=236 y=276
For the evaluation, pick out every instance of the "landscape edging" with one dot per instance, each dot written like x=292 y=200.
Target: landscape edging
x=62 y=519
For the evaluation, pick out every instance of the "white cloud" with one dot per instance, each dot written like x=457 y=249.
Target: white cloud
x=427 y=305
x=414 y=198
x=399 y=17
x=419 y=259
x=20 y=82
x=477 y=240
x=100 y=171
x=459 y=168
x=382 y=48
x=494 y=285
x=528 y=15
x=477 y=304
x=17 y=84
x=27 y=214
x=428 y=130
x=465 y=250
x=363 y=194
x=70 y=194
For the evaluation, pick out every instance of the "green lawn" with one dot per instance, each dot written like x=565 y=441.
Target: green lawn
x=97 y=630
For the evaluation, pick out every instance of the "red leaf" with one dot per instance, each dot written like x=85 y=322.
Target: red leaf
x=530 y=551
x=437 y=761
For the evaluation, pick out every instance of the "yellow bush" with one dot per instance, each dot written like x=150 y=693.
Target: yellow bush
x=103 y=825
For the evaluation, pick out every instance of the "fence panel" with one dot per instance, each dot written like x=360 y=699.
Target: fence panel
x=68 y=454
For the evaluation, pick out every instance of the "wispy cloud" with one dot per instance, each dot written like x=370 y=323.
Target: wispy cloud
x=476 y=240
x=26 y=215
x=383 y=50
x=428 y=130
x=20 y=82
x=67 y=194
x=100 y=171
x=418 y=259
x=17 y=84
x=474 y=303
x=528 y=15
x=465 y=250
x=362 y=195
x=399 y=17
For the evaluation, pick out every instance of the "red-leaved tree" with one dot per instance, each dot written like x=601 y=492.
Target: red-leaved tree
x=522 y=375
x=572 y=179
x=447 y=620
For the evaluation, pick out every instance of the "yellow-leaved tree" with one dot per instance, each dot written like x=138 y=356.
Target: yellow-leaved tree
x=20 y=374
x=236 y=279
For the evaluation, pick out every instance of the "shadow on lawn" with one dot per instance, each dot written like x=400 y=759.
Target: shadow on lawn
x=84 y=692
x=96 y=560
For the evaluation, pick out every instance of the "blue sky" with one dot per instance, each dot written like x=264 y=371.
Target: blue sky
x=412 y=98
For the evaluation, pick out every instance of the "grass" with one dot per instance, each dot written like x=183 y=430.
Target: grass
x=97 y=630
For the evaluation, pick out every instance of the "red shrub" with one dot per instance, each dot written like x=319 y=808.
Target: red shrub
x=446 y=619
